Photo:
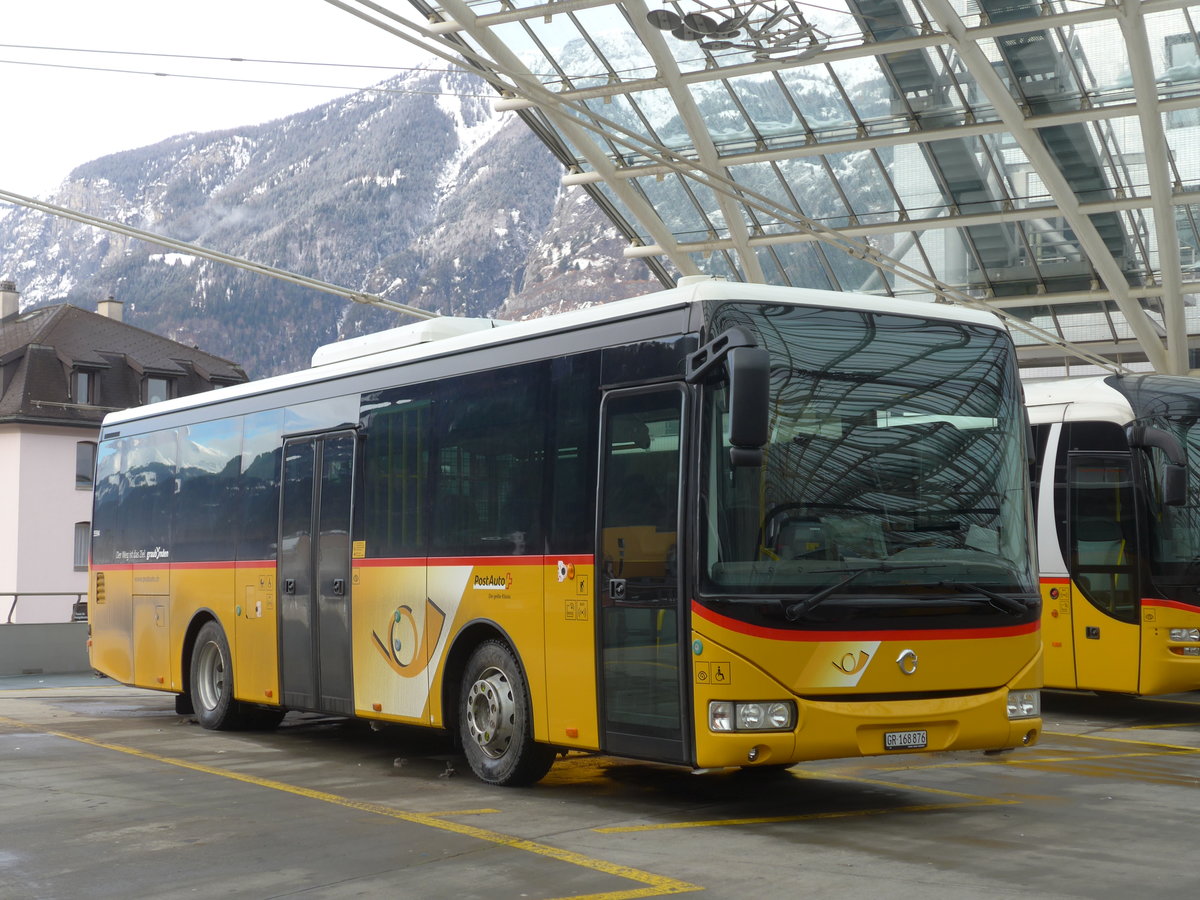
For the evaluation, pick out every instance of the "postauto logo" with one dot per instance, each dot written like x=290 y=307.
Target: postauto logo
x=493 y=582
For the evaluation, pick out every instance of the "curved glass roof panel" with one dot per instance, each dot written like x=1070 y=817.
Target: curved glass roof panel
x=1037 y=157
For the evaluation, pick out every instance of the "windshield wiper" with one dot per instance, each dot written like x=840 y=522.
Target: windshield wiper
x=796 y=610
x=1002 y=602
x=1011 y=605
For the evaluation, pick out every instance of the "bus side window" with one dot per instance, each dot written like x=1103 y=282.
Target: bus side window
x=490 y=437
x=107 y=501
x=576 y=400
x=395 y=472
x=262 y=448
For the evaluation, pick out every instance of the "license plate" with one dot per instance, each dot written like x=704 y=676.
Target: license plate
x=905 y=740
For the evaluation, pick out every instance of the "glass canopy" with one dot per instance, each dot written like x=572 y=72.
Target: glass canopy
x=1039 y=157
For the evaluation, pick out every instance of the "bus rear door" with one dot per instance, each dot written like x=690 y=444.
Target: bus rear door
x=314 y=573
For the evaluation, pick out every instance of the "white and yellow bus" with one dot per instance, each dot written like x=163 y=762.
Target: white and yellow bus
x=1117 y=489
x=723 y=525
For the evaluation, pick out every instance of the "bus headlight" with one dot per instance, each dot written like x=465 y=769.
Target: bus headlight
x=1024 y=704
x=1185 y=634
x=757 y=715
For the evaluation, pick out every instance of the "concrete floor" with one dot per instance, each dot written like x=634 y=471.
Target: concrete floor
x=106 y=792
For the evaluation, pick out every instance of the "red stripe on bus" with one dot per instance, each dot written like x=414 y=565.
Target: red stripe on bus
x=946 y=634
x=1055 y=580
x=1168 y=604
x=393 y=561
x=473 y=561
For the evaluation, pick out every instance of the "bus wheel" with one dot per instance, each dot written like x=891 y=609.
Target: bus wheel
x=494 y=720
x=212 y=680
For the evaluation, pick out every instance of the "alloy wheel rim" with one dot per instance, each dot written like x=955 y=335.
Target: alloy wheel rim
x=491 y=713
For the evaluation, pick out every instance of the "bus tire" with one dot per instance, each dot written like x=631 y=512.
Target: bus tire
x=494 y=720
x=212 y=680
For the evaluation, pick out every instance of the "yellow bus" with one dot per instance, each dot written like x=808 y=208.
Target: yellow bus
x=1118 y=514
x=724 y=525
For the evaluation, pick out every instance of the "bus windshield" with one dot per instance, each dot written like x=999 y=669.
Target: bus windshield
x=1172 y=405
x=895 y=463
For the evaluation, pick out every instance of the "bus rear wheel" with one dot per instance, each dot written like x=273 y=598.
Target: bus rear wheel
x=494 y=720
x=212 y=679
x=212 y=687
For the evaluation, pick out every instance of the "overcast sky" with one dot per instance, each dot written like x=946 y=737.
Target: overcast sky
x=64 y=107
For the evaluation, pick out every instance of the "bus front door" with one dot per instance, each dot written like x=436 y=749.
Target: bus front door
x=314 y=573
x=1104 y=567
x=642 y=622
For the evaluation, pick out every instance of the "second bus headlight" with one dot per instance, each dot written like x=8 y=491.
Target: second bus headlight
x=756 y=715
x=1185 y=634
x=1024 y=704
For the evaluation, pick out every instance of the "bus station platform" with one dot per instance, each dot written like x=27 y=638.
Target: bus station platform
x=109 y=793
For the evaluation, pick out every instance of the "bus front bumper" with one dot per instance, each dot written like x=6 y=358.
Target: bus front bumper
x=835 y=729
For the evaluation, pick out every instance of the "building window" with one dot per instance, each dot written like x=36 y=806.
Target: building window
x=157 y=389
x=85 y=465
x=83 y=386
x=83 y=543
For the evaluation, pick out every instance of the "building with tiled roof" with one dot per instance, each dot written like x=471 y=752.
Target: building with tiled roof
x=61 y=369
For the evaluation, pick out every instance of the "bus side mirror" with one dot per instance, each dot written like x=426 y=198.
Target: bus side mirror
x=748 y=368
x=1174 y=485
x=749 y=392
x=1174 y=474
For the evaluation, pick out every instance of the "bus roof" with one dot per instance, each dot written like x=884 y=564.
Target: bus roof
x=1091 y=398
x=422 y=340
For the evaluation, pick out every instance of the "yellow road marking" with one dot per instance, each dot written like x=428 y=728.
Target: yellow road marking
x=1118 y=740
x=1098 y=757
x=656 y=885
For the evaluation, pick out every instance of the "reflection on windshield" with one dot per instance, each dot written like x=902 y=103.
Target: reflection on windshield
x=892 y=439
x=1173 y=405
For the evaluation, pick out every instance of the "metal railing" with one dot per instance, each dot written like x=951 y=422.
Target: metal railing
x=78 y=607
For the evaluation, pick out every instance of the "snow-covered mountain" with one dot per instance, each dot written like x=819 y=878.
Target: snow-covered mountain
x=417 y=191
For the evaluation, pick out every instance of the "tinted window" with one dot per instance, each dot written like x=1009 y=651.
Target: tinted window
x=395 y=472
x=261 y=451
x=105 y=501
x=489 y=466
x=647 y=360
x=146 y=498
x=576 y=398
x=210 y=462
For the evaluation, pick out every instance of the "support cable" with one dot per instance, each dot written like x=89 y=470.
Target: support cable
x=214 y=255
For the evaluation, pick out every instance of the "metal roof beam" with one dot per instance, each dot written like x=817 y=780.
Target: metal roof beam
x=595 y=155
x=840 y=54
x=902 y=138
x=1154 y=143
x=525 y=13
x=1071 y=298
x=697 y=130
x=990 y=83
x=931 y=223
